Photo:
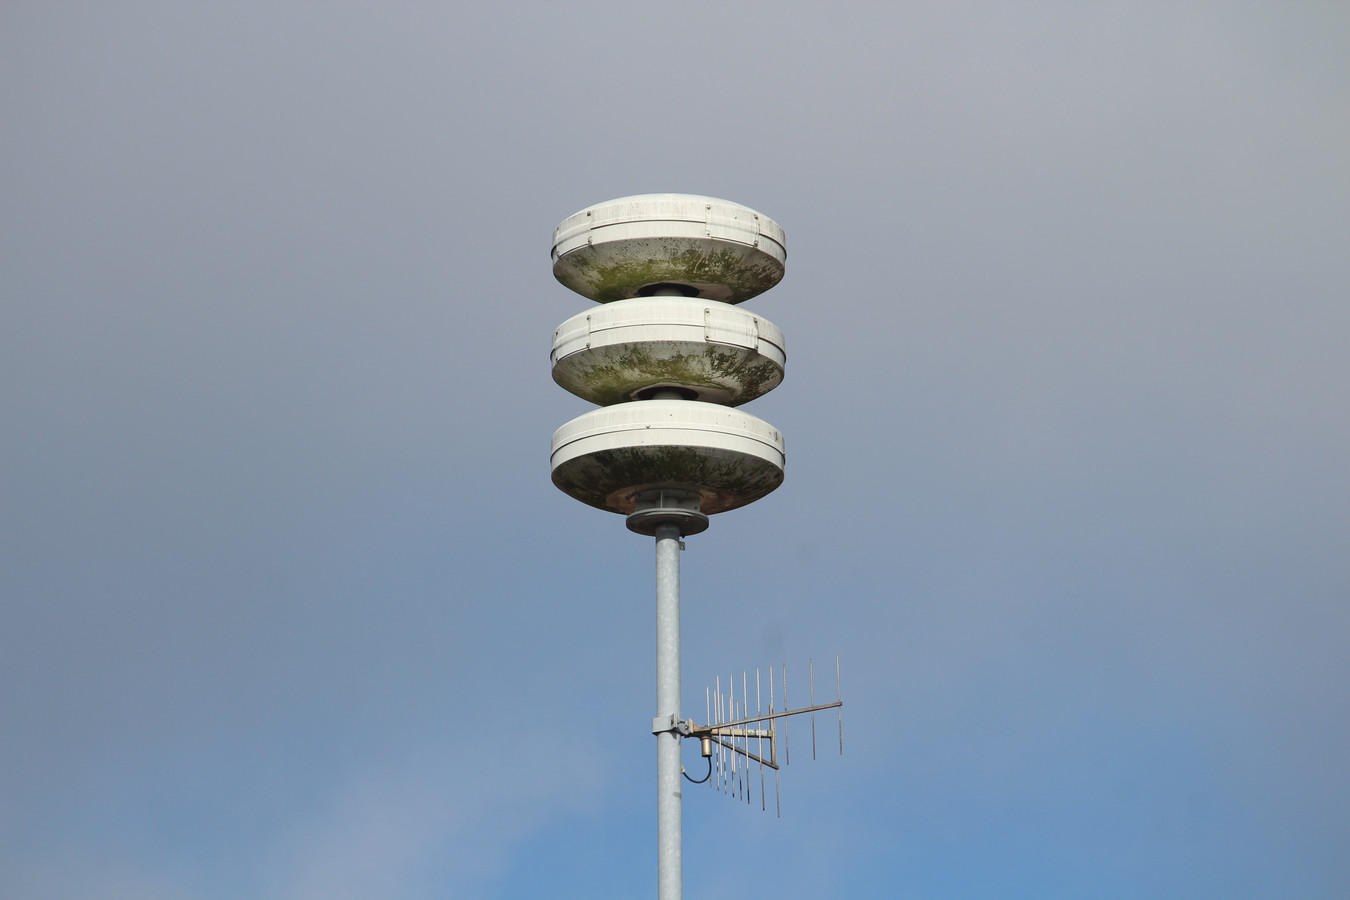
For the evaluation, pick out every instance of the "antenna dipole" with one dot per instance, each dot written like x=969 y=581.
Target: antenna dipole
x=725 y=740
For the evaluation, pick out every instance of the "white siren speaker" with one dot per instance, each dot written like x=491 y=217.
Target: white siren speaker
x=667 y=355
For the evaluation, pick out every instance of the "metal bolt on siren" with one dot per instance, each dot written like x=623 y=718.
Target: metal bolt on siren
x=667 y=357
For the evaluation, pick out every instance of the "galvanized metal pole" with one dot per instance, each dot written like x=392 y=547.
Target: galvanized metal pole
x=669 y=858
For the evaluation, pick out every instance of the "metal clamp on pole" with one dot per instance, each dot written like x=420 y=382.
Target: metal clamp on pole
x=672 y=724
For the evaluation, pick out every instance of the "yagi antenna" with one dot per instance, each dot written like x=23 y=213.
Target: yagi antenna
x=735 y=740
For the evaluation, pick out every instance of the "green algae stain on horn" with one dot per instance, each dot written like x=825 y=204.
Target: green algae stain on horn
x=608 y=273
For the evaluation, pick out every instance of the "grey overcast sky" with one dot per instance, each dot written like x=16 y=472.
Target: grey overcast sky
x=291 y=611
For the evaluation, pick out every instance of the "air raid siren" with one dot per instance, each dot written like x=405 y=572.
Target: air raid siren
x=667 y=356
